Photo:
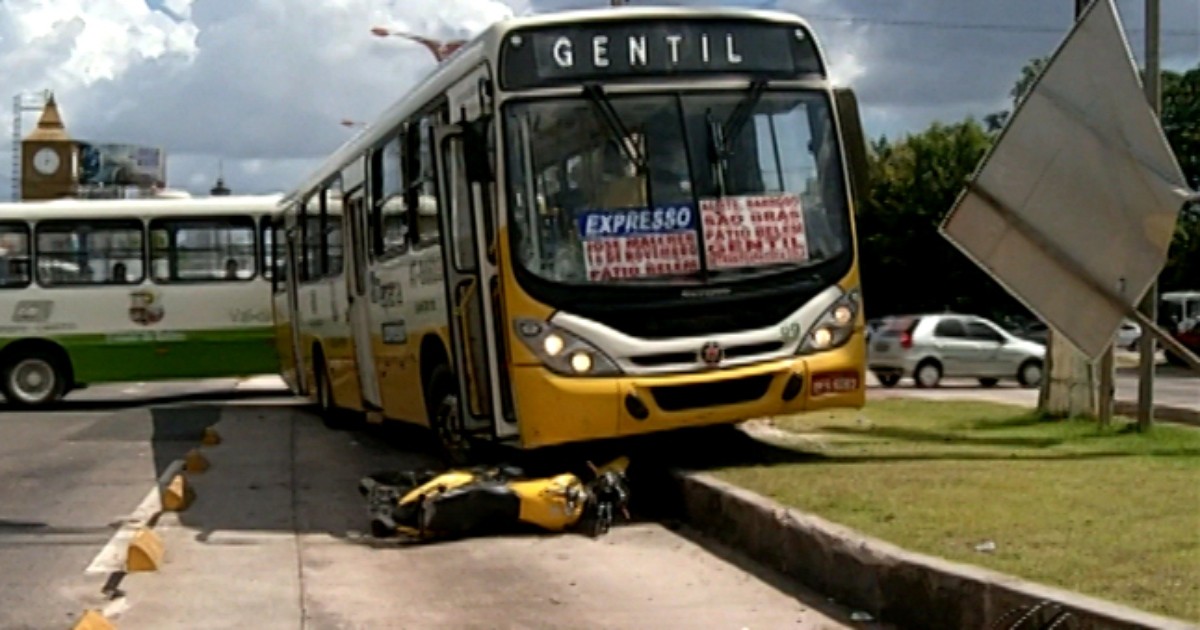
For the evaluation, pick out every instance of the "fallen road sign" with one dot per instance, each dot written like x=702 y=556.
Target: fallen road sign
x=1074 y=208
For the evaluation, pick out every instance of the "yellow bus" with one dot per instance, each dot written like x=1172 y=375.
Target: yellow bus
x=587 y=225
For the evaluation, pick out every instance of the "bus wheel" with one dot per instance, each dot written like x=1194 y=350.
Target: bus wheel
x=33 y=379
x=331 y=416
x=442 y=399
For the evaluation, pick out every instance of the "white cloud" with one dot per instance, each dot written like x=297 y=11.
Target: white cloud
x=252 y=82
x=263 y=84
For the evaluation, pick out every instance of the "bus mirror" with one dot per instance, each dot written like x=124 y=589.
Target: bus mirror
x=475 y=150
x=855 y=143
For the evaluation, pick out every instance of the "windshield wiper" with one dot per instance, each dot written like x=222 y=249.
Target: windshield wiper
x=618 y=130
x=741 y=113
x=721 y=135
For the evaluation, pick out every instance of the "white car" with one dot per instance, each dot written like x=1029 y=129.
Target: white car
x=930 y=347
x=1128 y=334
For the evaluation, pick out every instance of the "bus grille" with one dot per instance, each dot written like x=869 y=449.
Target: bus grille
x=693 y=358
x=698 y=395
x=746 y=313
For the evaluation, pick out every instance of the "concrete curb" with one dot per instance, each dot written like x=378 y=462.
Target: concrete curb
x=1169 y=413
x=894 y=585
x=145 y=550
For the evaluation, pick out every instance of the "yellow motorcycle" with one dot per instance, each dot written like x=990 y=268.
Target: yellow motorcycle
x=429 y=505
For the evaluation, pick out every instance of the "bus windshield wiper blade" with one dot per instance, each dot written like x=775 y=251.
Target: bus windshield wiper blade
x=620 y=133
x=740 y=115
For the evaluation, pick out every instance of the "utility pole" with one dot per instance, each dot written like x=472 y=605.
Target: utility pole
x=1069 y=379
x=1149 y=305
x=22 y=104
x=1105 y=390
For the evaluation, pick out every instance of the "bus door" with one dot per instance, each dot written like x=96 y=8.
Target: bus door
x=359 y=295
x=467 y=230
x=292 y=276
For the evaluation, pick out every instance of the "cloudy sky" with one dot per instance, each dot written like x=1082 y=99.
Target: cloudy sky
x=263 y=85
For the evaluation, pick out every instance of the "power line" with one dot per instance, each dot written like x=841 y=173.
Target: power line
x=1009 y=28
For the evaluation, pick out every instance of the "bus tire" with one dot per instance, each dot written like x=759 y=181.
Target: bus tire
x=34 y=378
x=441 y=400
x=331 y=416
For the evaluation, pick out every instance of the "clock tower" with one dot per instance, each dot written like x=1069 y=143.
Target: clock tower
x=49 y=159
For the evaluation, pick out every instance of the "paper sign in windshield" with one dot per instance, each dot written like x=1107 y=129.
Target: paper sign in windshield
x=756 y=230
x=639 y=242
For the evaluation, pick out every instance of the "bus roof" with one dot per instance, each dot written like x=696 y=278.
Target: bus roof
x=143 y=207
x=482 y=47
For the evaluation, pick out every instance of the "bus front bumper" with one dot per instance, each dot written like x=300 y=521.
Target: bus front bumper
x=553 y=409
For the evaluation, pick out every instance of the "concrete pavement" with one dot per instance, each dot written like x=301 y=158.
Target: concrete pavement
x=276 y=539
x=69 y=478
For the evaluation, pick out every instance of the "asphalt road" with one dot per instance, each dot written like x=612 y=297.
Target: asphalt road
x=275 y=537
x=67 y=479
x=1172 y=386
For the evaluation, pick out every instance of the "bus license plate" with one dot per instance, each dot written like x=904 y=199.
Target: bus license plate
x=834 y=383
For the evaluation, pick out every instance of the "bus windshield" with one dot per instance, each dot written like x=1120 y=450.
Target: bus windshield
x=689 y=188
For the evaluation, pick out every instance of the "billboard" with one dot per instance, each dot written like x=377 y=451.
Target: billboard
x=1074 y=208
x=114 y=164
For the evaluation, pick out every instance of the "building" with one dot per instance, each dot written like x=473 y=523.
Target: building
x=54 y=165
x=49 y=158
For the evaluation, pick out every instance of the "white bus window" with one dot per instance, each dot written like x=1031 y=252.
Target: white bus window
x=90 y=252
x=332 y=243
x=395 y=219
x=390 y=218
x=268 y=249
x=313 y=248
x=202 y=250
x=422 y=183
x=14 y=256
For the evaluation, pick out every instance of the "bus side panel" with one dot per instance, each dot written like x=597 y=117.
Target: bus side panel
x=284 y=347
x=315 y=313
x=419 y=311
x=338 y=345
x=149 y=332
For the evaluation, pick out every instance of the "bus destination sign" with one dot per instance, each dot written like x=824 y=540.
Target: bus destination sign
x=620 y=50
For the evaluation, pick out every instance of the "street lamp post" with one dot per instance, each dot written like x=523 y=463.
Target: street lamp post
x=440 y=49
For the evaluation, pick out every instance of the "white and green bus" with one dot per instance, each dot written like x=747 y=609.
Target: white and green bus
x=120 y=290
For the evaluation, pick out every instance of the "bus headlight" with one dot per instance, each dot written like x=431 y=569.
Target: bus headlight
x=562 y=352
x=581 y=362
x=834 y=327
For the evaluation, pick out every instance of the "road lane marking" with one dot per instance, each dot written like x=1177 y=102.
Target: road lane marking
x=112 y=557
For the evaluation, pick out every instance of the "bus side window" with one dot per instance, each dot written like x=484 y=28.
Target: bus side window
x=389 y=223
x=14 y=256
x=266 y=248
x=202 y=249
x=332 y=221
x=106 y=251
x=420 y=181
x=310 y=219
x=279 y=258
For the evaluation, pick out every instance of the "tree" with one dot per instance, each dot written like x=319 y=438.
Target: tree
x=1181 y=122
x=907 y=266
x=1029 y=73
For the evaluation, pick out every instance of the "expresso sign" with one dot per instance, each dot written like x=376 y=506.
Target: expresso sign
x=555 y=55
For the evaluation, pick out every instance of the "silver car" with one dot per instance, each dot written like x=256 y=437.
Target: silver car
x=931 y=347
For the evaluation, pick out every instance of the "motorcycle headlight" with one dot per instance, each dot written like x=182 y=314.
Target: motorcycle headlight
x=563 y=352
x=834 y=327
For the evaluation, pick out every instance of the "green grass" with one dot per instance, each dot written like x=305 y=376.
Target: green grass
x=1107 y=512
